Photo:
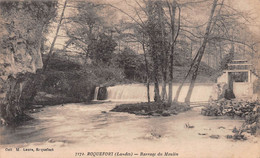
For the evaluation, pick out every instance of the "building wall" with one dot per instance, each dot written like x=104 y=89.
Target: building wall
x=241 y=89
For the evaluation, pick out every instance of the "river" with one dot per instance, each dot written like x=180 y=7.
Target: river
x=82 y=128
x=92 y=127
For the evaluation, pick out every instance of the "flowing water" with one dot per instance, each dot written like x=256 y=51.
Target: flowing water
x=138 y=92
x=93 y=128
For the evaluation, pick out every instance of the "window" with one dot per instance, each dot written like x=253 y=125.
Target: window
x=239 y=76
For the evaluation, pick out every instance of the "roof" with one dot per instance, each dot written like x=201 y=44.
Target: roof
x=239 y=65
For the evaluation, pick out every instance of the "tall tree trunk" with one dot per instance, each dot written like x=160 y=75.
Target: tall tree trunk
x=209 y=59
x=185 y=78
x=157 y=97
x=220 y=54
x=172 y=10
x=147 y=72
x=153 y=51
x=164 y=63
x=55 y=38
x=164 y=81
x=201 y=52
x=191 y=48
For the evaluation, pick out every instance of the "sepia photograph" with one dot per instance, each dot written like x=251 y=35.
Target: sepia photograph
x=130 y=78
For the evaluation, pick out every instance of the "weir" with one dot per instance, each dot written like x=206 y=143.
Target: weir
x=138 y=92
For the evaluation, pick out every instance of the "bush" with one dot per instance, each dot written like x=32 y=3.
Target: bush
x=71 y=79
x=250 y=111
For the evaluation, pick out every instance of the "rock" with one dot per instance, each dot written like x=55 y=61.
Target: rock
x=229 y=136
x=221 y=127
x=140 y=113
x=37 y=106
x=256 y=108
x=51 y=141
x=203 y=134
x=35 y=110
x=156 y=114
x=235 y=130
x=17 y=64
x=3 y=122
x=173 y=111
x=103 y=112
x=166 y=113
x=187 y=125
x=156 y=135
x=150 y=113
x=218 y=91
x=214 y=136
x=203 y=112
x=159 y=111
x=239 y=137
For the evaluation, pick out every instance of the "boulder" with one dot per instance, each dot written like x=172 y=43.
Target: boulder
x=214 y=136
x=166 y=113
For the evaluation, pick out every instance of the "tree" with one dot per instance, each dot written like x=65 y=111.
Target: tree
x=55 y=37
x=154 y=37
x=201 y=52
x=224 y=23
x=151 y=37
x=139 y=35
x=132 y=64
x=174 y=35
x=88 y=30
x=103 y=49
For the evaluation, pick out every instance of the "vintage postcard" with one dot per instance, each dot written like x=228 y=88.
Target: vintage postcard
x=130 y=78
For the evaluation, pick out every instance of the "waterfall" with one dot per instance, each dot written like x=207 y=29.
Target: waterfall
x=138 y=92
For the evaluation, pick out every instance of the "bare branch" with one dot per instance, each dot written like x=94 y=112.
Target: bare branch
x=126 y=14
x=141 y=7
x=235 y=41
x=194 y=2
x=200 y=37
x=179 y=24
x=136 y=12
